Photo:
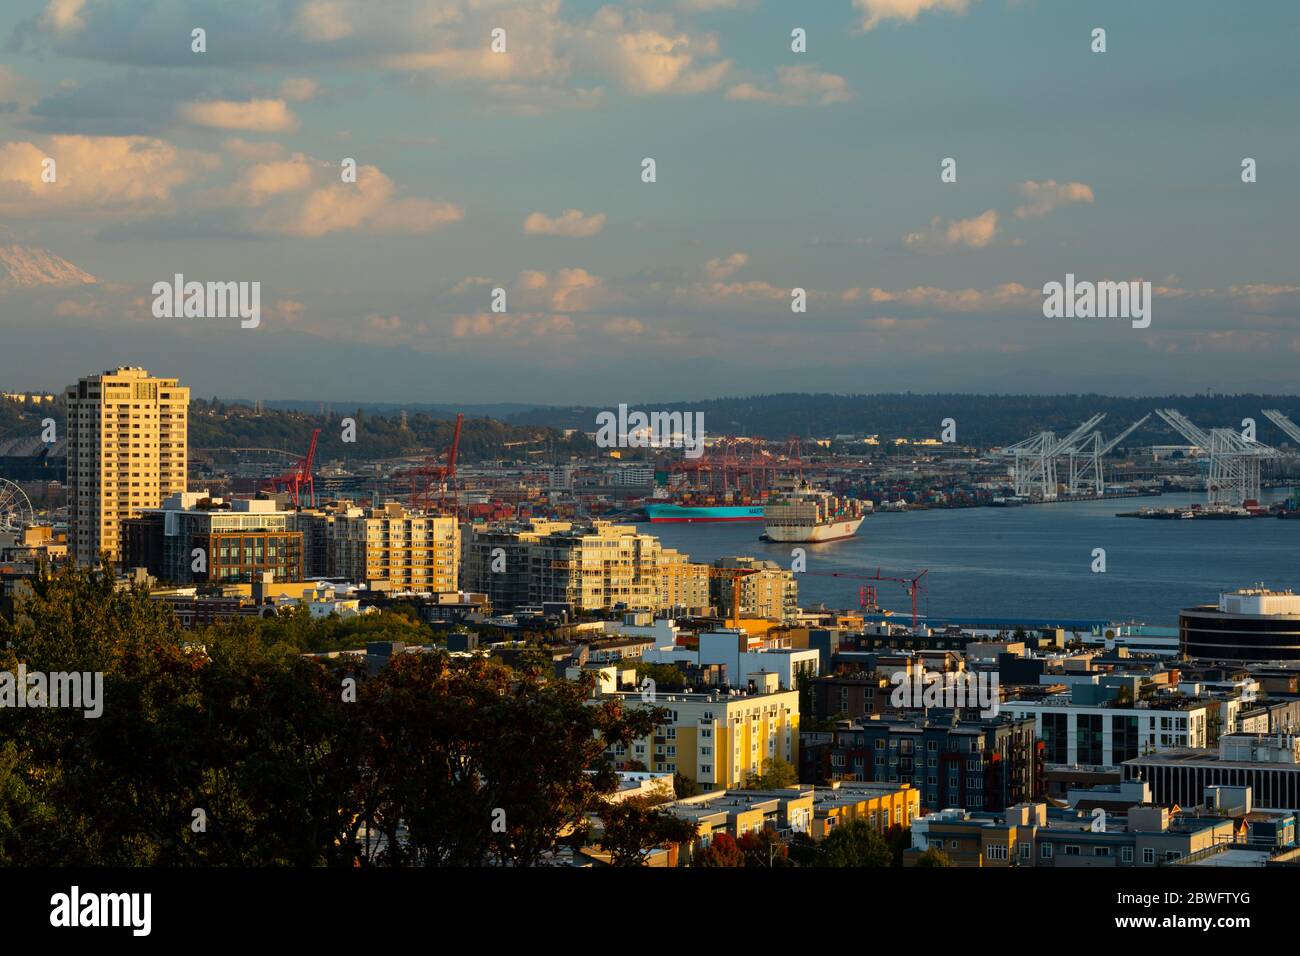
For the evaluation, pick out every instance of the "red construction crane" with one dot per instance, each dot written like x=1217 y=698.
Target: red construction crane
x=914 y=586
x=429 y=481
x=300 y=478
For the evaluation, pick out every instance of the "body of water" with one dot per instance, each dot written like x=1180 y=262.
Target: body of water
x=1032 y=562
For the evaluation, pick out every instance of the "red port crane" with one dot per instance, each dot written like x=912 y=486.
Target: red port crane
x=429 y=481
x=914 y=586
x=300 y=477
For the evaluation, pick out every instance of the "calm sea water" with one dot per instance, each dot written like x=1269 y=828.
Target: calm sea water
x=1032 y=562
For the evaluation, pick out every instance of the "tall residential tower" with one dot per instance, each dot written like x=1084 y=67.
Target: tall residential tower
x=127 y=451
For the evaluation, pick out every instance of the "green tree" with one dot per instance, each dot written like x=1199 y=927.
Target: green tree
x=803 y=850
x=684 y=786
x=933 y=857
x=666 y=677
x=633 y=826
x=776 y=774
x=510 y=751
x=438 y=760
x=899 y=839
x=215 y=722
x=856 y=844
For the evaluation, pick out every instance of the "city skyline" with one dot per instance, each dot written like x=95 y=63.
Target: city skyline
x=521 y=170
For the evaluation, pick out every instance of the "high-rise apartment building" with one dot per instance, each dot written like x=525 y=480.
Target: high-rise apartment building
x=127 y=451
x=768 y=591
x=392 y=549
x=595 y=566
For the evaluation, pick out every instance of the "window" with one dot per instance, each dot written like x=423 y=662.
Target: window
x=1148 y=855
x=1071 y=849
x=996 y=852
x=1026 y=850
x=1126 y=854
x=1101 y=851
x=1045 y=851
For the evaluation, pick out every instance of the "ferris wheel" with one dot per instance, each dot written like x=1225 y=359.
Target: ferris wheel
x=15 y=507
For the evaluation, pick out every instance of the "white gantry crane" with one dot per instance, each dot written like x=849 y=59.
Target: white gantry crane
x=1290 y=428
x=1234 y=460
x=1034 y=459
x=1085 y=459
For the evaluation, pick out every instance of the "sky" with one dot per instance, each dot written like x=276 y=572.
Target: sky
x=774 y=170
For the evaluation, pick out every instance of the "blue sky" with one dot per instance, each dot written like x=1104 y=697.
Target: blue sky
x=775 y=169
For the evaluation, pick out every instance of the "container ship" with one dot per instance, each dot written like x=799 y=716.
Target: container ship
x=808 y=515
x=670 y=512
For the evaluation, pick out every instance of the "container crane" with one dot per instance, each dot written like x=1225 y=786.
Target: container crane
x=1289 y=428
x=300 y=478
x=1035 y=459
x=429 y=480
x=914 y=586
x=1234 y=460
x=1086 y=456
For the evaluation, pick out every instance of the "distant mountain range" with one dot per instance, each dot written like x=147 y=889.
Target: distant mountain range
x=500 y=411
x=26 y=266
x=983 y=420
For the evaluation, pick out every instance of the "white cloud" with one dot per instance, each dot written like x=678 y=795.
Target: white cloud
x=517 y=327
x=569 y=290
x=973 y=233
x=369 y=204
x=63 y=16
x=258 y=116
x=706 y=6
x=720 y=269
x=623 y=326
x=324 y=21
x=650 y=54
x=96 y=175
x=1009 y=294
x=572 y=223
x=1042 y=198
x=876 y=12
x=796 y=85
x=299 y=88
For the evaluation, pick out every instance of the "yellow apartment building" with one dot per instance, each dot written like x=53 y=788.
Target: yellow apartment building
x=881 y=805
x=393 y=549
x=127 y=451
x=716 y=739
